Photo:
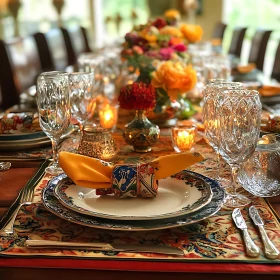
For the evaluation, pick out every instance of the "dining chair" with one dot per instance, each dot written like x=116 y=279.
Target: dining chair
x=258 y=48
x=237 y=38
x=219 y=30
x=19 y=68
x=275 y=74
x=76 y=42
x=52 y=50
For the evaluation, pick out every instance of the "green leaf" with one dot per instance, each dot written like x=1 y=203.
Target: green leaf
x=162 y=99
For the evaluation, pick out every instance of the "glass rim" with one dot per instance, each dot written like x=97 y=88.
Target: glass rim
x=236 y=92
x=184 y=127
x=82 y=73
x=53 y=74
x=226 y=83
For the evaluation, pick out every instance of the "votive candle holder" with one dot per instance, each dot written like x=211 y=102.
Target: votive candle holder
x=108 y=116
x=183 y=138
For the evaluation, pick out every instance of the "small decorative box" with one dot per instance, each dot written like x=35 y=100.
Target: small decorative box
x=132 y=180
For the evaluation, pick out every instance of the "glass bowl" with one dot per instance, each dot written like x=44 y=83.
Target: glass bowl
x=260 y=175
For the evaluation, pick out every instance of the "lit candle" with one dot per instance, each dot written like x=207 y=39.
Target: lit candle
x=108 y=116
x=183 y=138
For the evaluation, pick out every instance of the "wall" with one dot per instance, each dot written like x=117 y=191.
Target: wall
x=211 y=14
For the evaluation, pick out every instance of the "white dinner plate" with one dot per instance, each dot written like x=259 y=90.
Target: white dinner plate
x=52 y=204
x=176 y=196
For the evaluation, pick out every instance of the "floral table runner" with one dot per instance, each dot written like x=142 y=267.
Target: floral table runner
x=215 y=239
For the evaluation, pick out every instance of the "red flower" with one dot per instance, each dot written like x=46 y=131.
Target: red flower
x=180 y=48
x=159 y=23
x=137 y=96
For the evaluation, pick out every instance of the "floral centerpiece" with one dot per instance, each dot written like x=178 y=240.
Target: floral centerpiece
x=157 y=53
x=140 y=133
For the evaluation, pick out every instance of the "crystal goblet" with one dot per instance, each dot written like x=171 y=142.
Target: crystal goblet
x=239 y=121
x=54 y=110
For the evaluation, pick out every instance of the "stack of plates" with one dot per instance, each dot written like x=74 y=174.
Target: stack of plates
x=183 y=199
x=21 y=141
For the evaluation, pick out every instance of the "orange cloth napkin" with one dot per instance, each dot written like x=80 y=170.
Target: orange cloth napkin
x=97 y=174
x=246 y=68
x=269 y=90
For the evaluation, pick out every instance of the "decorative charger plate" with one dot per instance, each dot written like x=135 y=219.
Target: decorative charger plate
x=53 y=205
x=36 y=142
x=177 y=196
x=22 y=136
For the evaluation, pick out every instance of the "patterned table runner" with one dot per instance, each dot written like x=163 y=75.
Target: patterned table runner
x=213 y=240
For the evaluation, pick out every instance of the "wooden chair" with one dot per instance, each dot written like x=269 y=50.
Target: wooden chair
x=76 y=42
x=258 y=48
x=19 y=68
x=52 y=50
x=275 y=74
x=219 y=30
x=237 y=41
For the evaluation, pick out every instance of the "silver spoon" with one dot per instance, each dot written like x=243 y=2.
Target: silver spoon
x=4 y=166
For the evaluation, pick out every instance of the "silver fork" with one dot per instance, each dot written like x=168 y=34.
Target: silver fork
x=25 y=199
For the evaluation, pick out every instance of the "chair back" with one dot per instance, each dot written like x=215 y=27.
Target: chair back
x=219 y=30
x=237 y=41
x=258 y=48
x=76 y=43
x=52 y=50
x=20 y=66
x=275 y=74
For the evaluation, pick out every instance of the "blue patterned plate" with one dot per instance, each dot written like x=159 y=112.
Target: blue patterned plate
x=53 y=205
x=181 y=194
x=23 y=136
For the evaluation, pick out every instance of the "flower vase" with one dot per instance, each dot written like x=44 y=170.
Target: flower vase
x=141 y=133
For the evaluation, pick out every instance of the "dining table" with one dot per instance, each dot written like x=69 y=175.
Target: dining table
x=213 y=247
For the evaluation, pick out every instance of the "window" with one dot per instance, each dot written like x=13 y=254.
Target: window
x=253 y=14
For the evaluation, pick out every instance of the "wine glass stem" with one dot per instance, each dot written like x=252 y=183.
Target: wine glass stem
x=219 y=165
x=55 y=151
x=234 y=173
x=81 y=127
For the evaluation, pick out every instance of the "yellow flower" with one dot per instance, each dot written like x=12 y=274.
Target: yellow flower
x=149 y=36
x=192 y=33
x=172 y=14
x=174 y=78
x=171 y=31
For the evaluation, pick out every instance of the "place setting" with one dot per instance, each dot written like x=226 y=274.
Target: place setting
x=152 y=158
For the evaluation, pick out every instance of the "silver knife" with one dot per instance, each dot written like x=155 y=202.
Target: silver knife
x=252 y=250
x=270 y=251
x=140 y=248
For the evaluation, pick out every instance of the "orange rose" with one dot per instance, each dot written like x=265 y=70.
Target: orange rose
x=171 y=31
x=174 y=78
x=192 y=33
x=172 y=14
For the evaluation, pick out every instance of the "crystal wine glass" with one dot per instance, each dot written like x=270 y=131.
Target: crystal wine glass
x=54 y=110
x=239 y=121
x=210 y=116
x=217 y=67
x=81 y=94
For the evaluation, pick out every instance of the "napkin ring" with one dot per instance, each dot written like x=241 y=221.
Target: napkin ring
x=132 y=180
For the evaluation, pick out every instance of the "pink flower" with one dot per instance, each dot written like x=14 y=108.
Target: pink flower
x=137 y=50
x=166 y=53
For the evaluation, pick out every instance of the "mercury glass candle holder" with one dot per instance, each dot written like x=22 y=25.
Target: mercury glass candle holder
x=183 y=138
x=98 y=143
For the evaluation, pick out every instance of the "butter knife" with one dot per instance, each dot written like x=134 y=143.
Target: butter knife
x=252 y=250
x=48 y=244
x=270 y=251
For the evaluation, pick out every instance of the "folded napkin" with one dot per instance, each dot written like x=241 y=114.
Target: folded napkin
x=19 y=123
x=269 y=90
x=243 y=69
x=124 y=180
